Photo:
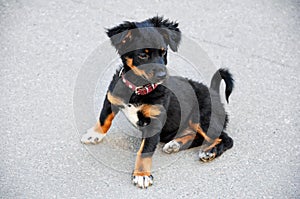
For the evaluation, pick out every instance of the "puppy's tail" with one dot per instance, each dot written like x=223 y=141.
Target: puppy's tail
x=216 y=81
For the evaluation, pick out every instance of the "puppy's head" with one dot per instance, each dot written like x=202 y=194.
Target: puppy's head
x=143 y=46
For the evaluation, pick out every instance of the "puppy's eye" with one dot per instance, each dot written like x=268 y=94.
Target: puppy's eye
x=143 y=55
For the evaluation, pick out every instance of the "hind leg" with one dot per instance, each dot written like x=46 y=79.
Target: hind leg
x=208 y=153
x=213 y=145
x=183 y=141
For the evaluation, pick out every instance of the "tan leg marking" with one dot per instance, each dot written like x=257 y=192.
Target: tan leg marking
x=216 y=142
x=199 y=130
x=186 y=136
x=142 y=165
x=103 y=128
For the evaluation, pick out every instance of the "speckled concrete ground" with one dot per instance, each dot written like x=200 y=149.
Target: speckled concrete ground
x=45 y=45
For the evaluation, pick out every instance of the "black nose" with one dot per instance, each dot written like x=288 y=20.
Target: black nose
x=161 y=74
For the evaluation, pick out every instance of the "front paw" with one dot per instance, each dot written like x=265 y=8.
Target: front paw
x=171 y=147
x=142 y=182
x=92 y=137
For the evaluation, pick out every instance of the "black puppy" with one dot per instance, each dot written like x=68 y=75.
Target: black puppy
x=177 y=111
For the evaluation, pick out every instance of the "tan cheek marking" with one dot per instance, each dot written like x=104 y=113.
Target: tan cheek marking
x=151 y=111
x=136 y=70
x=103 y=128
x=114 y=100
x=150 y=75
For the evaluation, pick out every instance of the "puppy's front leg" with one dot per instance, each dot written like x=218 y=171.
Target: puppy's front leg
x=151 y=135
x=141 y=176
x=95 y=134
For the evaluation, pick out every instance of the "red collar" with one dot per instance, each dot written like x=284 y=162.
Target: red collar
x=138 y=90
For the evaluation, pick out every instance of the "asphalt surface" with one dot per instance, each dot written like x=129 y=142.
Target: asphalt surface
x=46 y=47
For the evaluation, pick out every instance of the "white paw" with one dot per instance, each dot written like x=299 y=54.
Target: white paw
x=92 y=137
x=207 y=156
x=171 y=147
x=142 y=181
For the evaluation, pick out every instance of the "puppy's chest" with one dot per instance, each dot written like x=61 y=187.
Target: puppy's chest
x=131 y=112
x=135 y=116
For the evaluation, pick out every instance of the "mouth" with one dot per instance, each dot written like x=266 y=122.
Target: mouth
x=162 y=80
x=155 y=80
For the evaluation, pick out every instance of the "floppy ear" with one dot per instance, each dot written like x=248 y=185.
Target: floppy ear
x=169 y=30
x=120 y=34
x=172 y=38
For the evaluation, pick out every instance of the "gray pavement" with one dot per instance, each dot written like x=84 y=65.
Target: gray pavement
x=45 y=44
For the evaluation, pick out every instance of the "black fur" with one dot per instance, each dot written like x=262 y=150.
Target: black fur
x=216 y=80
x=143 y=46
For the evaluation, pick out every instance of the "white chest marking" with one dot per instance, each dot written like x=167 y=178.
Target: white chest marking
x=130 y=111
